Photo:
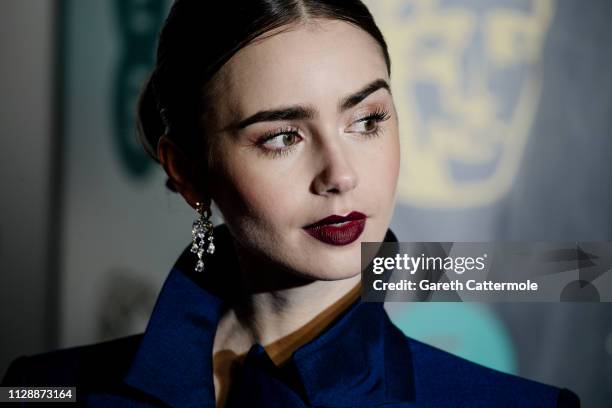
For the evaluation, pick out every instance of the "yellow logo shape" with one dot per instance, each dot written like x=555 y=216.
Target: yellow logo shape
x=467 y=82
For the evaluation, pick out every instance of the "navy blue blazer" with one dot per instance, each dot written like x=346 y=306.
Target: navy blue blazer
x=360 y=360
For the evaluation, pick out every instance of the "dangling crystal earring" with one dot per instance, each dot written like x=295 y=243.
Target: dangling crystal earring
x=202 y=235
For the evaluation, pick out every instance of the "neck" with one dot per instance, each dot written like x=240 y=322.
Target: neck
x=281 y=311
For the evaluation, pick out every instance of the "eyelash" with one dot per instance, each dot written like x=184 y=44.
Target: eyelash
x=275 y=133
x=379 y=115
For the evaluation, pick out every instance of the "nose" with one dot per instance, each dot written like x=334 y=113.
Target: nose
x=337 y=174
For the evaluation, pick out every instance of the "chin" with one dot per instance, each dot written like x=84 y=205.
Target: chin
x=330 y=269
x=326 y=262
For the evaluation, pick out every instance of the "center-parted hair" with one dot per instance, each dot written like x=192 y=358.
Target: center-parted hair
x=197 y=38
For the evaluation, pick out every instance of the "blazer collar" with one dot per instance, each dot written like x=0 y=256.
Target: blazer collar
x=361 y=359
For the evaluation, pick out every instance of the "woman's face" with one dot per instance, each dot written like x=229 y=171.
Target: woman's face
x=304 y=127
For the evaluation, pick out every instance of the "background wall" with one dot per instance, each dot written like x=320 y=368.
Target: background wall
x=506 y=135
x=28 y=280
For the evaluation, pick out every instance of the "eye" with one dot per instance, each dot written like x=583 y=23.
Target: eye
x=369 y=124
x=279 y=142
x=282 y=140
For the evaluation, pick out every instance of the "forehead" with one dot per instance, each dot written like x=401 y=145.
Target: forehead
x=317 y=62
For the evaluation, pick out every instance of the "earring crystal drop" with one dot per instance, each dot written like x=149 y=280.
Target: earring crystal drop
x=202 y=236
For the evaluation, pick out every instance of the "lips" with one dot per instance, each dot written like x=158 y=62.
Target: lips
x=338 y=230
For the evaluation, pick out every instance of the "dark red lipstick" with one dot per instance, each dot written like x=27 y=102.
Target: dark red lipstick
x=338 y=230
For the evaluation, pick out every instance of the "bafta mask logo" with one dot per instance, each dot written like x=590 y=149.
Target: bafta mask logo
x=467 y=82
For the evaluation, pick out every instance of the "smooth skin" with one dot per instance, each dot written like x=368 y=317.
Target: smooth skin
x=335 y=150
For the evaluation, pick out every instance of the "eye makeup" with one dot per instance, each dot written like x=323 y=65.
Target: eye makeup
x=291 y=134
x=278 y=134
x=374 y=118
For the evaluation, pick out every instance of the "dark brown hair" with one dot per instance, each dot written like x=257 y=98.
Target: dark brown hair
x=198 y=37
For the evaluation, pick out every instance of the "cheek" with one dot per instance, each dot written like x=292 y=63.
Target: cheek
x=383 y=168
x=259 y=193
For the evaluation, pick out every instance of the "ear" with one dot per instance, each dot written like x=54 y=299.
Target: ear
x=182 y=172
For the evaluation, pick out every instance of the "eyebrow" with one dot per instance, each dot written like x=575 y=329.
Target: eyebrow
x=354 y=99
x=299 y=112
